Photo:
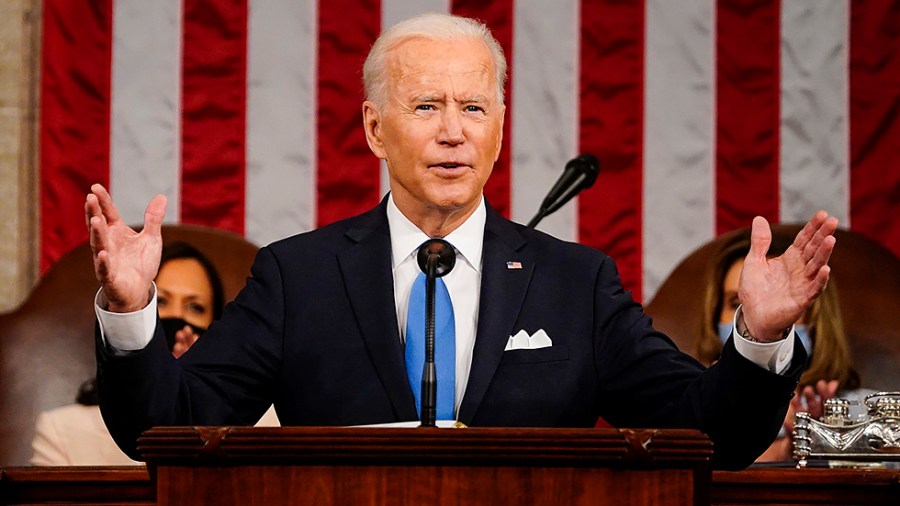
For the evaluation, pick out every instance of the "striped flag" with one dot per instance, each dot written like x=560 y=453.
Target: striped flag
x=703 y=113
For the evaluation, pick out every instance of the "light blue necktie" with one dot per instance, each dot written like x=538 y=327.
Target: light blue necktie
x=444 y=346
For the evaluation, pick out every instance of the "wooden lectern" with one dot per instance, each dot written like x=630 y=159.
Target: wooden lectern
x=494 y=466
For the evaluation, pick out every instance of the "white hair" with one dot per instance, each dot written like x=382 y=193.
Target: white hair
x=432 y=26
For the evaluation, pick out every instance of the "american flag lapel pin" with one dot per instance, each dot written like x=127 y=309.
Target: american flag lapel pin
x=513 y=265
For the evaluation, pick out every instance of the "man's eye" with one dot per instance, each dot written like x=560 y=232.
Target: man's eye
x=161 y=301
x=474 y=108
x=425 y=107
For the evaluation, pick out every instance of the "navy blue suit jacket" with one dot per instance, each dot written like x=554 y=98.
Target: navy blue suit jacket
x=315 y=331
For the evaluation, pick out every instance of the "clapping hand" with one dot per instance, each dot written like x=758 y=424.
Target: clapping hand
x=810 y=399
x=184 y=339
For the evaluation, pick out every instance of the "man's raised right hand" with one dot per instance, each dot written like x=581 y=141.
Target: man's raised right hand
x=125 y=261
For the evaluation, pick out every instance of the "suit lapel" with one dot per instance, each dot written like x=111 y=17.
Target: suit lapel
x=502 y=295
x=366 y=271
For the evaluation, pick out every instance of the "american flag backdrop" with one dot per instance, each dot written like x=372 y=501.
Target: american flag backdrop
x=703 y=113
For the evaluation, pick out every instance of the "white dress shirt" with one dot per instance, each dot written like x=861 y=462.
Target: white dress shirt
x=463 y=282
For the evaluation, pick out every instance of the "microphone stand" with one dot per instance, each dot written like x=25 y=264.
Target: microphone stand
x=429 y=373
x=436 y=257
x=541 y=214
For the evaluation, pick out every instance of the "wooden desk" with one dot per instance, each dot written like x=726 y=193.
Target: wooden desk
x=76 y=485
x=819 y=487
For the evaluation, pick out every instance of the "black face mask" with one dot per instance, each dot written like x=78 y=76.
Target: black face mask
x=172 y=325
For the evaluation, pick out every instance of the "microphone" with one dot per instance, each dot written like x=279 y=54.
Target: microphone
x=436 y=257
x=437 y=253
x=580 y=173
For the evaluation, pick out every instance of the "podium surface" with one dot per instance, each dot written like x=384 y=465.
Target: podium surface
x=496 y=466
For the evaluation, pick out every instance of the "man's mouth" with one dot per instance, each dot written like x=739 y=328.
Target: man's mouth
x=449 y=165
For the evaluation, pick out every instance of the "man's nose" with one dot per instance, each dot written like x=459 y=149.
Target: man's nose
x=451 y=127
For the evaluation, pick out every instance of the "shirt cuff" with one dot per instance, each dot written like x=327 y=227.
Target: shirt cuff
x=126 y=331
x=775 y=356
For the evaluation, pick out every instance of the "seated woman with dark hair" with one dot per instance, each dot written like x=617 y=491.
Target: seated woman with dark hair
x=187 y=304
x=190 y=297
x=830 y=371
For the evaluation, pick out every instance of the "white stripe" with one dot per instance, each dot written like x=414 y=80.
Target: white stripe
x=145 y=123
x=281 y=110
x=814 y=109
x=393 y=12
x=679 y=135
x=544 y=108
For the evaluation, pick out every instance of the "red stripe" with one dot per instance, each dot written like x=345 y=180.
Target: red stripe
x=498 y=16
x=747 y=106
x=875 y=121
x=74 y=118
x=611 y=127
x=213 y=118
x=348 y=175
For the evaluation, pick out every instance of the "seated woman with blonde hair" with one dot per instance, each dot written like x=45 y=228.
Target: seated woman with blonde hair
x=830 y=371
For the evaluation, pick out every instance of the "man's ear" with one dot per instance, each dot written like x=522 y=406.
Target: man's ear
x=372 y=124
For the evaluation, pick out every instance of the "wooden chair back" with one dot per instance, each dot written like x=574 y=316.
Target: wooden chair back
x=867 y=277
x=47 y=343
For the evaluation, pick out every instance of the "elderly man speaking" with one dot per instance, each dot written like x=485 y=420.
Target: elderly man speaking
x=541 y=333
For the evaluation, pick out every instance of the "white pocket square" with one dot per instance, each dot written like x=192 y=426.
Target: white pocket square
x=522 y=341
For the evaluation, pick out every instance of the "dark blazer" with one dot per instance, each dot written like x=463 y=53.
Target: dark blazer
x=315 y=330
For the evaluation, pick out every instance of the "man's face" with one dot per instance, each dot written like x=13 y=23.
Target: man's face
x=441 y=127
